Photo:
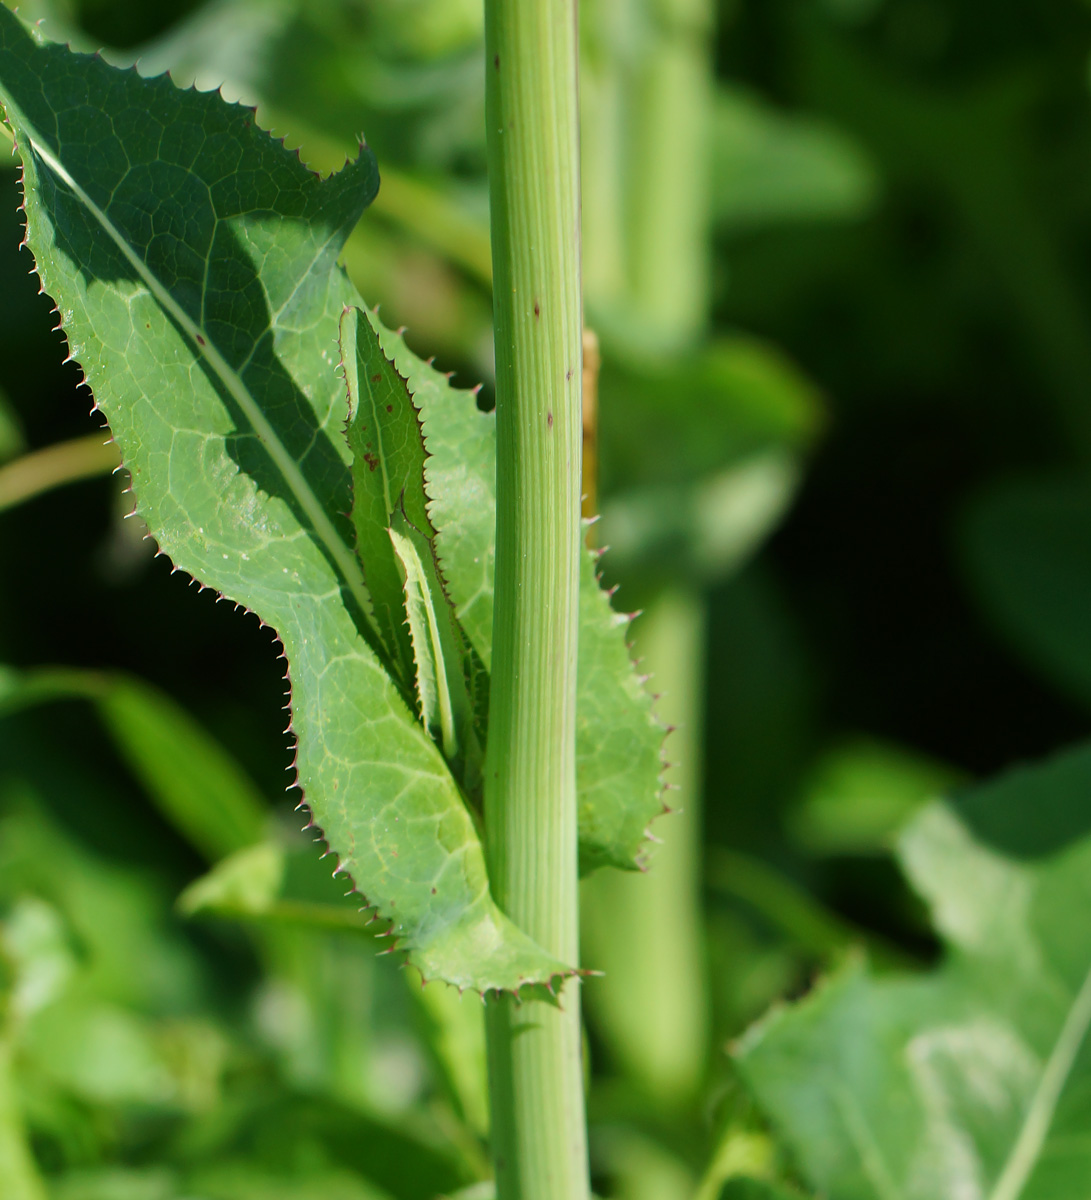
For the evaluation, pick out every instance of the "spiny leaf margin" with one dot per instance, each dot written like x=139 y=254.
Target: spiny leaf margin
x=619 y=740
x=370 y=774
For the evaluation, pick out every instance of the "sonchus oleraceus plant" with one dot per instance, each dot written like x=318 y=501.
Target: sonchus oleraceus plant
x=469 y=728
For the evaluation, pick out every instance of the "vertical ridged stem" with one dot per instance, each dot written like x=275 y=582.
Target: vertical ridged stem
x=535 y=1077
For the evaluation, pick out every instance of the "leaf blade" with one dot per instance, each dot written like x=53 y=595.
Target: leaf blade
x=618 y=740
x=242 y=241
x=969 y=1079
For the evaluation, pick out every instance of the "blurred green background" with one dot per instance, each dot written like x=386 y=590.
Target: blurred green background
x=838 y=259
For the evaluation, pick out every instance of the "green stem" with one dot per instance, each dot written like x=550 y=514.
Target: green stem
x=18 y=1174
x=66 y=462
x=535 y=1076
x=668 y=208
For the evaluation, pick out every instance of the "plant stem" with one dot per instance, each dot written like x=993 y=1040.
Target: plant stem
x=18 y=1172
x=535 y=1077
x=65 y=462
x=668 y=210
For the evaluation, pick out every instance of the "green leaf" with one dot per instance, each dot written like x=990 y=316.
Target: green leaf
x=387 y=471
x=770 y=167
x=973 y=1080
x=618 y=740
x=395 y=541
x=438 y=649
x=248 y=882
x=244 y=1181
x=117 y=1184
x=194 y=782
x=861 y=793
x=1025 y=553
x=193 y=261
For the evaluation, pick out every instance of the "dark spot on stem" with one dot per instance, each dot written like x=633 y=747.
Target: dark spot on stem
x=537 y=309
x=496 y=61
x=569 y=373
x=200 y=340
x=549 y=419
x=433 y=891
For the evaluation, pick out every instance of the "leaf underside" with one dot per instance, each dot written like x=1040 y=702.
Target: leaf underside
x=973 y=1080
x=193 y=263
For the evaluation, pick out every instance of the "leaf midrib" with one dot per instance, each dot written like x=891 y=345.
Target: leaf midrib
x=1035 y=1128
x=203 y=347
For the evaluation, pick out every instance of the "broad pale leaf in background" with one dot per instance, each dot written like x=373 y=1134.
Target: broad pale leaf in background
x=973 y=1080
x=193 y=261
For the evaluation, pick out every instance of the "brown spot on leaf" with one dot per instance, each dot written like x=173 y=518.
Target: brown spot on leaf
x=376 y=378
x=549 y=419
x=372 y=461
x=537 y=309
x=390 y=408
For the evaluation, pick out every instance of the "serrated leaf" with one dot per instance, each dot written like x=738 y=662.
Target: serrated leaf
x=617 y=738
x=193 y=261
x=438 y=650
x=395 y=542
x=972 y=1080
x=387 y=470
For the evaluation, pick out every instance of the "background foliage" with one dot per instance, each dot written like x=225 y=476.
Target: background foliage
x=889 y=431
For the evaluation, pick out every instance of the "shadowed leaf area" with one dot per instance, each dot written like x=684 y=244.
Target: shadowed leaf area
x=971 y=1081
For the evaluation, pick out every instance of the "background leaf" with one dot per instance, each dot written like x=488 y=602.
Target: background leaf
x=972 y=1079
x=1024 y=545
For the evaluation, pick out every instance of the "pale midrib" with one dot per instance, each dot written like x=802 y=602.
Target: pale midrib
x=1035 y=1128
x=203 y=347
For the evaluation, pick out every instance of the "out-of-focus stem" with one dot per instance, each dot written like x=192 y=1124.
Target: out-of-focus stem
x=667 y=196
x=644 y=932
x=18 y=1173
x=65 y=462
